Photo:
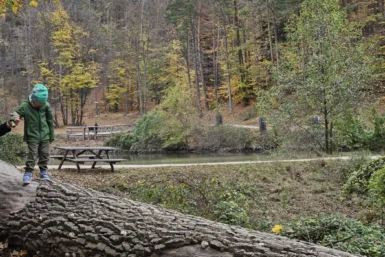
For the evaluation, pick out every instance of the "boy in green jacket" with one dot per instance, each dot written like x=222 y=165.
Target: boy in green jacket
x=38 y=131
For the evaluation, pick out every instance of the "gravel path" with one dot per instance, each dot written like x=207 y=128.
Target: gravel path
x=125 y=166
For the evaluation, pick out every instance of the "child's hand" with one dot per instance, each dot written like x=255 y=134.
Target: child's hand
x=13 y=120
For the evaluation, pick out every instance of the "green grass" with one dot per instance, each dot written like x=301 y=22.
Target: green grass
x=252 y=195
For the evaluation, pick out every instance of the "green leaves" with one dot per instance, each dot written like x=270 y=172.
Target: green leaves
x=359 y=180
x=339 y=233
x=325 y=67
x=11 y=145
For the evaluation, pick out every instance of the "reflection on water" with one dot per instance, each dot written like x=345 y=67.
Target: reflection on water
x=176 y=158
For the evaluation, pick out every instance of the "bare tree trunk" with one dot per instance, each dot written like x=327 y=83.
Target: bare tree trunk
x=270 y=42
x=28 y=53
x=270 y=6
x=139 y=84
x=381 y=3
x=238 y=42
x=200 y=55
x=59 y=219
x=144 y=57
x=326 y=125
x=3 y=77
x=13 y=76
x=215 y=63
x=72 y=108
x=198 y=94
x=228 y=72
x=63 y=105
x=188 y=62
x=127 y=93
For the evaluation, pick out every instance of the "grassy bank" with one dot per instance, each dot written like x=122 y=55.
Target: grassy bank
x=252 y=195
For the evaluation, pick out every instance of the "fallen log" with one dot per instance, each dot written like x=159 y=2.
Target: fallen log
x=60 y=219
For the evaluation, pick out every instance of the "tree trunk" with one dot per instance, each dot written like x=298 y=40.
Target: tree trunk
x=139 y=79
x=59 y=219
x=326 y=118
x=198 y=94
x=228 y=72
x=144 y=58
x=215 y=63
x=200 y=56
x=270 y=42
x=188 y=62
x=238 y=42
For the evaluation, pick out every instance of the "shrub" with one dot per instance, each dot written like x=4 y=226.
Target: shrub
x=166 y=127
x=224 y=137
x=350 y=132
x=377 y=186
x=252 y=113
x=230 y=208
x=376 y=138
x=358 y=181
x=11 y=146
x=338 y=232
x=144 y=137
x=302 y=140
x=377 y=193
x=214 y=199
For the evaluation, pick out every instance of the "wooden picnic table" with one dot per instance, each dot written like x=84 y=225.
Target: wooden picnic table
x=76 y=154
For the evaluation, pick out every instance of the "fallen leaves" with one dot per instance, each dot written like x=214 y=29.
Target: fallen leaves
x=6 y=252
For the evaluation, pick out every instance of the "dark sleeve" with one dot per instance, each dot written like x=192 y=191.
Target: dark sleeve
x=4 y=129
x=49 y=118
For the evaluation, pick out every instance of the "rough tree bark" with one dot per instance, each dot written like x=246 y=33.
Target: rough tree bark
x=59 y=219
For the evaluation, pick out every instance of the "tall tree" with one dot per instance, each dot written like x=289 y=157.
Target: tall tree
x=183 y=15
x=325 y=67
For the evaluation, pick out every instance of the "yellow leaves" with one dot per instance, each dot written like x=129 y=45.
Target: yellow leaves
x=14 y=253
x=12 y=5
x=276 y=229
x=23 y=252
x=33 y=3
x=59 y=18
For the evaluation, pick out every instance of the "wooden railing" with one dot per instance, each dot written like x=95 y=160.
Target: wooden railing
x=95 y=132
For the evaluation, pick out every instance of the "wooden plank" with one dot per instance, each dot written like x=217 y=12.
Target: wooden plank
x=105 y=148
x=95 y=160
x=90 y=156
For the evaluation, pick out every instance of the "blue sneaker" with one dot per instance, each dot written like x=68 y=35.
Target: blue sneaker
x=27 y=178
x=44 y=175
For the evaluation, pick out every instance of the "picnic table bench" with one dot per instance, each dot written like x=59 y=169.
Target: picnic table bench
x=76 y=154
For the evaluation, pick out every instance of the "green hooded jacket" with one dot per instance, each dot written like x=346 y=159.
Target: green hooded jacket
x=38 y=122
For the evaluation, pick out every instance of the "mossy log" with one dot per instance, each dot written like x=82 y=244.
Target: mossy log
x=52 y=218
